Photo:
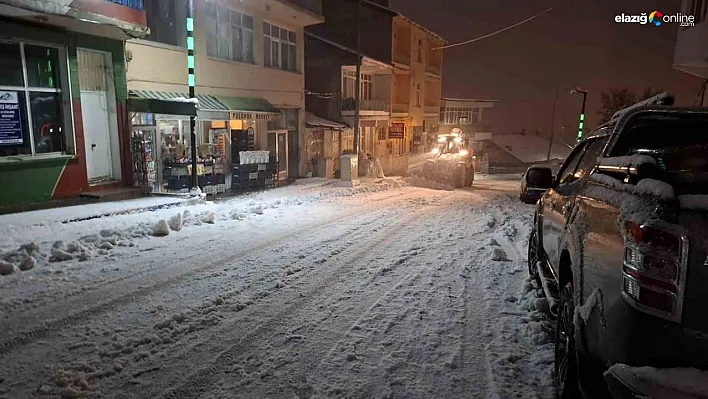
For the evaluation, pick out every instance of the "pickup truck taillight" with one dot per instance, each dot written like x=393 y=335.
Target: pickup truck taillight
x=652 y=270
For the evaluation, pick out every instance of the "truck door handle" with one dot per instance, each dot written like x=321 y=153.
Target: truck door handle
x=93 y=146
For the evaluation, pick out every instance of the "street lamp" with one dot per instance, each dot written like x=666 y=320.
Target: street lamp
x=582 y=111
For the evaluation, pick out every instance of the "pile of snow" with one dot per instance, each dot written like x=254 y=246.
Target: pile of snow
x=693 y=202
x=26 y=244
x=664 y=383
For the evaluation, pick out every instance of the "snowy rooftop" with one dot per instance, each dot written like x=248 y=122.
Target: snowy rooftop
x=312 y=120
x=530 y=149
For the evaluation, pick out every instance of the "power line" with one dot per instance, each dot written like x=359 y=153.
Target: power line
x=493 y=33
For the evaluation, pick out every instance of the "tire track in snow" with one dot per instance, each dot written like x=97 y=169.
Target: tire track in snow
x=199 y=381
x=124 y=294
x=40 y=301
x=142 y=329
x=347 y=324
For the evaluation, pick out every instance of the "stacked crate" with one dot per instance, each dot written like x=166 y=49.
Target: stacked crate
x=250 y=175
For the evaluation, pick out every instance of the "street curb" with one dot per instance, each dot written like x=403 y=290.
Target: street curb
x=189 y=202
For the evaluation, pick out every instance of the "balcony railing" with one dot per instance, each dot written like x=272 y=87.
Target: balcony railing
x=349 y=104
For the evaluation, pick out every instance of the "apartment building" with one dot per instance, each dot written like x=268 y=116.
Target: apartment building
x=249 y=72
x=467 y=115
x=691 y=52
x=400 y=79
x=417 y=82
x=63 y=97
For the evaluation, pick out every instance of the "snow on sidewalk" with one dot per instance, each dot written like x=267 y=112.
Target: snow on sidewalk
x=41 y=237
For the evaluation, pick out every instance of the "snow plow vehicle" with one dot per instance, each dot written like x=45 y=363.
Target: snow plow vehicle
x=453 y=163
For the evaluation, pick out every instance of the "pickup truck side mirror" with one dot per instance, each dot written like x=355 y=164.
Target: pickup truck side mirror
x=539 y=178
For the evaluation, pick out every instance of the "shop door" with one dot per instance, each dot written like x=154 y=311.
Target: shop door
x=278 y=143
x=95 y=114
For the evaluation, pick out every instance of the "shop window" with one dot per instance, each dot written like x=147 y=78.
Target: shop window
x=279 y=48
x=229 y=33
x=34 y=112
x=382 y=133
x=166 y=20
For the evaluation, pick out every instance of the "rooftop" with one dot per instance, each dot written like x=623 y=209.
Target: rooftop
x=530 y=148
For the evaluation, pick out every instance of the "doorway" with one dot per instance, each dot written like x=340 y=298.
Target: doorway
x=98 y=114
x=278 y=144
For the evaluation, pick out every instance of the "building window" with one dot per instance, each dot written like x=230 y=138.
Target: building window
x=33 y=113
x=475 y=116
x=166 y=20
x=417 y=94
x=229 y=33
x=366 y=86
x=279 y=48
x=419 y=55
x=349 y=84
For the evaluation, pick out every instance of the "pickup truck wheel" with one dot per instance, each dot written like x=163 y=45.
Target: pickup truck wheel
x=533 y=257
x=565 y=376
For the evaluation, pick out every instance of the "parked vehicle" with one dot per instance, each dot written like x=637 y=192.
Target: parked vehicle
x=453 y=162
x=619 y=247
x=532 y=182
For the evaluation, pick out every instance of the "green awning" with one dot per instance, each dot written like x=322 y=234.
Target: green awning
x=246 y=104
x=155 y=106
x=206 y=102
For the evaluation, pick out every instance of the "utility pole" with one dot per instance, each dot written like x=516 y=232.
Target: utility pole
x=582 y=111
x=357 y=89
x=553 y=125
x=192 y=81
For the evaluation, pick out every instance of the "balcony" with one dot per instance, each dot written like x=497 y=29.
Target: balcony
x=371 y=107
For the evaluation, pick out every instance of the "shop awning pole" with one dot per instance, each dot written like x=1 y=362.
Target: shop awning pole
x=191 y=78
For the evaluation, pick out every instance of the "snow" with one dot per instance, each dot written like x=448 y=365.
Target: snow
x=185 y=100
x=309 y=290
x=80 y=212
x=584 y=311
x=649 y=187
x=629 y=161
x=664 y=382
x=314 y=121
x=529 y=148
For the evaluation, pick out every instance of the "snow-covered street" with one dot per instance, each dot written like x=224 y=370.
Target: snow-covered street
x=385 y=290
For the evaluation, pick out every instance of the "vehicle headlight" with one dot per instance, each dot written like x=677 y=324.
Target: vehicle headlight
x=458 y=140
x=435 y=150
x=464 y=152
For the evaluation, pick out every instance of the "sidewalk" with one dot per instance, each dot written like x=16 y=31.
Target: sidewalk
x=94 y=210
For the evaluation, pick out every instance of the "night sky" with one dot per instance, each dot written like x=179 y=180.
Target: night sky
x=576 y=44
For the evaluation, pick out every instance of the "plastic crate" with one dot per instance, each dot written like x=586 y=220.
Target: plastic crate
x=220 y=188
x=209 y=190
x=178 y=183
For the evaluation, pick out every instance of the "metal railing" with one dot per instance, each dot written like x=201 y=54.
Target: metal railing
x=349 y=104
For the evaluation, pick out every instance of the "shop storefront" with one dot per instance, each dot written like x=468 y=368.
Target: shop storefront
x=162 y=142
x=62 y=110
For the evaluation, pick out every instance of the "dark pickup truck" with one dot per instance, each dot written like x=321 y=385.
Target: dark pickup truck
x=620 y=247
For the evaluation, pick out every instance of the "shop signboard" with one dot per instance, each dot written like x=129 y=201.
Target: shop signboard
x=396 y=131
x=10 y=122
